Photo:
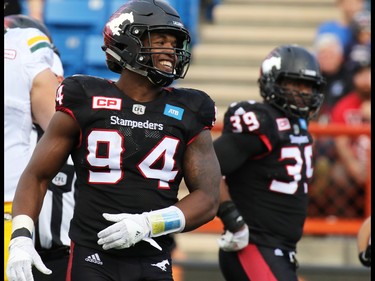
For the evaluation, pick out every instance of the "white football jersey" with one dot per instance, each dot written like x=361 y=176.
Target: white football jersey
x=27 y=52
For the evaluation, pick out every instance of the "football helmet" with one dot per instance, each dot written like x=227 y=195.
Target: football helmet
x=132 y=23
x=296 y=63
x=24 y=21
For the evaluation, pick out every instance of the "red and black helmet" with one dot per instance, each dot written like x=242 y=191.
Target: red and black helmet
x=296 y=63
x=132 y=23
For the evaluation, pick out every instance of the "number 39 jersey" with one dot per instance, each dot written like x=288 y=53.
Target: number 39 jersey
x=270 y=190
x=130 y=155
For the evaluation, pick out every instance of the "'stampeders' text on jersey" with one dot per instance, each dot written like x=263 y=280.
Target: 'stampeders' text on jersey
x=271 y=190
x=130 y=156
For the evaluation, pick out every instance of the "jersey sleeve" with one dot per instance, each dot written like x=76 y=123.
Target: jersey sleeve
x=251 y=118
x=71 y=99
x=41 y=53
x=207 y=111
x=203 y=112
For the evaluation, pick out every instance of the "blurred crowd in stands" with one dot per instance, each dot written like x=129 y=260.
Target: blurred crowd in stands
x=343 y=49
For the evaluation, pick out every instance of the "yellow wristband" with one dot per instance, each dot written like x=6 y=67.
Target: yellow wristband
x=167 y=220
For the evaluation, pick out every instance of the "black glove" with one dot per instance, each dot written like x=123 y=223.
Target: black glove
x=365 y=256
x=230 y=216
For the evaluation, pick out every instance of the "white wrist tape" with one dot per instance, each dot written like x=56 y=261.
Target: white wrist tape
x=21 y=221
x=167 y=220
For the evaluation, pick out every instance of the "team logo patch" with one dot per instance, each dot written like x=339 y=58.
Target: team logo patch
x=10 y=54
x=114 y=24
x=60 y=179
x=162 y=265
x=270 y=63
x=173 y=111
x=104 y=102
x=283 y=124
x=139 y=109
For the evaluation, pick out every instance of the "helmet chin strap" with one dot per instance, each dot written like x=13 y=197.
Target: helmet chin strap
x=124 y=64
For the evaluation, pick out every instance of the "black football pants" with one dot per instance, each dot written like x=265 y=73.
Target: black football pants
x=255 y=263
x=88 y=264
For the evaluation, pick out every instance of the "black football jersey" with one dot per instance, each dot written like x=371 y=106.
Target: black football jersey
x=270 y=190
x=130 y=155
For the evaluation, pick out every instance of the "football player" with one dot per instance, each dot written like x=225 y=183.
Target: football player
x=29 y=93
x=132 y=142
x=265 y=153
x=51 y=230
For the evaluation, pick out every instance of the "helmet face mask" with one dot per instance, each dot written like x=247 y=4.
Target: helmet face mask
x=290 y=80
x=127 y=42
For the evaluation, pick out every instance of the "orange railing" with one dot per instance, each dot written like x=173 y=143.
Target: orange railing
x=328 y=225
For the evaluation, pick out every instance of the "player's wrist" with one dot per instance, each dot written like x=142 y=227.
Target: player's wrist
x=230 y=216
x=165 y=221
x=22 y=225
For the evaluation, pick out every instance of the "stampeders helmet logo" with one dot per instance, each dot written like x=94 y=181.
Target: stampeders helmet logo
x=177 y=23
x=271 y=62
x=115 y=23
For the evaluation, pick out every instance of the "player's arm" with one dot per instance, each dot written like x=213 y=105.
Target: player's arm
x=42 y=96
x=202 y=176
x=232 y=151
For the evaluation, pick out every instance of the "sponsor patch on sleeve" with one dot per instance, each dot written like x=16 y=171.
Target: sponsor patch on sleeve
x=283 y=124
x=173 y=111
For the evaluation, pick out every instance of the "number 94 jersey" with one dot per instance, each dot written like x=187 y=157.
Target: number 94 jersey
x=130 y=156
x=270 y=190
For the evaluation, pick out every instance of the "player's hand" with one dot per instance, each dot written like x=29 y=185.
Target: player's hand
x=230 y=242
x=22 y=256
x=127 y=230
x=365 y=256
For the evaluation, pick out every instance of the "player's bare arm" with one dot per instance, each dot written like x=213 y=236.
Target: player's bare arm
x=42 y=97
x=202 y=177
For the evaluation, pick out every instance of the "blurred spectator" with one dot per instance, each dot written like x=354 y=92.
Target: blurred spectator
x=361 y=28
x=330 y=55
x=341 y=27
x=341 y=163
x=349 y=174
x=354 y=110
